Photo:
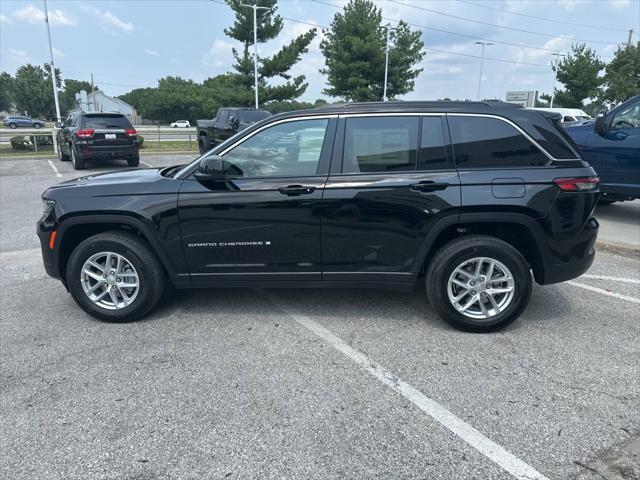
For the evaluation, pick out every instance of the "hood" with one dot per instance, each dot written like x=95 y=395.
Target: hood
x=123 y=182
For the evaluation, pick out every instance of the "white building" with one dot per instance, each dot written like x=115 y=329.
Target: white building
x=98 y=101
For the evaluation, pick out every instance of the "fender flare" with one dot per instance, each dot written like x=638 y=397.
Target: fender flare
x=482 y=217
x=121 y=219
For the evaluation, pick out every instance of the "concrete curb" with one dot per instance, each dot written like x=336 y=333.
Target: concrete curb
x=621 y=249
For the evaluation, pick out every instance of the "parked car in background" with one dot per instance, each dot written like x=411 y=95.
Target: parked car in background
x=611 y=145
x=570 y=116
x=181 y=124
x=465 y=199
x=18 y=121
x=226 y=123
x=89 y=136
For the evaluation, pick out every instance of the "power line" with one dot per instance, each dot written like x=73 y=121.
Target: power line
x=499 y=26
x=599 y=27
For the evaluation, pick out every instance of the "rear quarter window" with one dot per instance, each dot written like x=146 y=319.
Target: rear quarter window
x=484 y=142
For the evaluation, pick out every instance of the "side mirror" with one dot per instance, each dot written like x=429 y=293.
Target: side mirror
x=58 y=124
x=210 y=168
x=601 y=124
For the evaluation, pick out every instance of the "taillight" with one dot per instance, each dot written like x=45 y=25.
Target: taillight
x=131 y=132
x=86 y=133
x=581 y=184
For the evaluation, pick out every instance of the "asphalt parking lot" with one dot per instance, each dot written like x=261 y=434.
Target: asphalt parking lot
x=306 y=384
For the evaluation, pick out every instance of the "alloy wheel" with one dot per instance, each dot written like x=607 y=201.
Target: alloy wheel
x=110 y=280
x=481 y=288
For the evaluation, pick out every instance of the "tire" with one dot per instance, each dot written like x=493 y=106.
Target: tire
x=136 y=254
x=204 y=144
x=507 y=259
x=134 y=161
x=37 y=125
x=13 y=125
x=77 y=162
x=63 y=157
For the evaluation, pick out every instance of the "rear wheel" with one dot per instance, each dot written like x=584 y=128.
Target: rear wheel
x=478 y=283
x=134 y=161
x=115 y=276
x=204 y=144
x=13 y=125
x=36 y=125
x=63 y=157
x=77 y=162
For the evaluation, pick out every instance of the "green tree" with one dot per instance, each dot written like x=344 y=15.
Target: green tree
x=354 y=51
x=269 y=25
x=578 y=72
x=33 y=92
x=622 y=75
x=7 y=97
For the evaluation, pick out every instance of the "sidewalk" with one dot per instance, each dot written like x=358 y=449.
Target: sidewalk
x=620 y=227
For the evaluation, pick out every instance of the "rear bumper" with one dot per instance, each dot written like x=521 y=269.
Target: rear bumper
x=561 y=272
x=115 y=151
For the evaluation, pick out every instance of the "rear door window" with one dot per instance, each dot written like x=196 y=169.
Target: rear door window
x=483 y=142
x=380 y=144
x=106 y=121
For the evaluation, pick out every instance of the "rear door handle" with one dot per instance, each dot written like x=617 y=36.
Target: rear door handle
x=293 y=190
x=428 y=186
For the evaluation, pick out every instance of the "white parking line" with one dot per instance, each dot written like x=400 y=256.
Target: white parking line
x=604 y=292
x=145 y=163
x=612 y=279
x=58 y=174
x=459 y=427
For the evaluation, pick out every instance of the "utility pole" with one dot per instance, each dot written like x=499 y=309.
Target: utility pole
x=53 y=68
x=386 y=65
x=555 y=76
x=93 y=95
x=484 y=44
x=255 y=44
x=629 y=38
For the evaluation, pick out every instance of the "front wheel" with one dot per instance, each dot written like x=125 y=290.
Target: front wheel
x=478 y=283
x=63 y=157
x=115 y=276
x=36 y=125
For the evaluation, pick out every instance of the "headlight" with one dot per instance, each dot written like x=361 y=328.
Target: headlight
x=47 y=206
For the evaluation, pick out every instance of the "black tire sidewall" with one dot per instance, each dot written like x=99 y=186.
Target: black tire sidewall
x=511 y=258
x=133 y=161
x=143 y=302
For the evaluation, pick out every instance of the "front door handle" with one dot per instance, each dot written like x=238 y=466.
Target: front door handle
x=428 y=186
x=293 y=190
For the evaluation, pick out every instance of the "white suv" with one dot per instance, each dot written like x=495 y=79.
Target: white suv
x=181 y=124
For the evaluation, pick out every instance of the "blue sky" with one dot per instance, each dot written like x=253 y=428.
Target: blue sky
x=129 y=44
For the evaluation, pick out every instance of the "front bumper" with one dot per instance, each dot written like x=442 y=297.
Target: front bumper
x=44 y=228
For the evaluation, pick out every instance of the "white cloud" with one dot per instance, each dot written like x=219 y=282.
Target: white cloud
x=568 y=5
x=529 y=55
x=20 y=56
x=34 y=15
x=5 y=19
x=57 y=52
x=619 y=4
x=153 y=53
x=108 y=21
x=219 y=55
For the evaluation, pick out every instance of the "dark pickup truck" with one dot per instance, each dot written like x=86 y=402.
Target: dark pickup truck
x=226 y=123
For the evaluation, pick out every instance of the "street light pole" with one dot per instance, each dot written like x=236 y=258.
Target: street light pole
x=555 y=77
x=386 y=64
x=255 y=44
x=481 y=66
x=53 y=68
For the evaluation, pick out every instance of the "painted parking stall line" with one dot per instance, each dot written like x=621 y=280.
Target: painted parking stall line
x=612 y=279
x=55 y=169
x=145 y=163
x=474 y=438
x=602 y=291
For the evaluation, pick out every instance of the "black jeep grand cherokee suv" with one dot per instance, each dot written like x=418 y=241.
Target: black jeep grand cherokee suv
x=88 y=136
x=466 y=198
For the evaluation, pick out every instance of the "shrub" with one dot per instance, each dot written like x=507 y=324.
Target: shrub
x=140 y=140
x=19 y=142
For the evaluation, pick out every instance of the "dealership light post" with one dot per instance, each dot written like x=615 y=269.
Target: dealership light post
x=386 y=64
x=255 y=43
x=484 y=44
x=555 y=76
x=53 y=68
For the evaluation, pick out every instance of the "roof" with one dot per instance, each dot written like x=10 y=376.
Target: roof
x=440 y=106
